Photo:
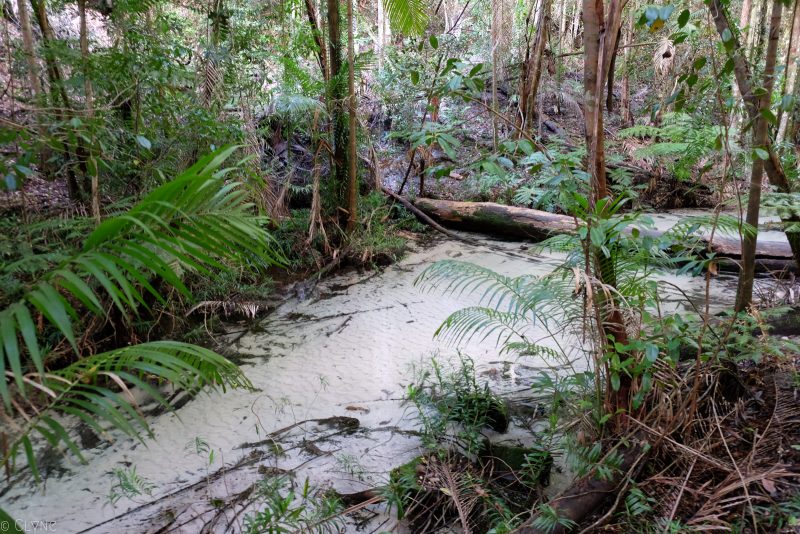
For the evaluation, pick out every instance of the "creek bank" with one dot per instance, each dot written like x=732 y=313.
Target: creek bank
x=347 y=350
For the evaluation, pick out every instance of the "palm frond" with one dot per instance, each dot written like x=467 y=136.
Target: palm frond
x=463 y=278
x=508 y=306
x=293 y=106
x=199 y=222
x=97 y=391
x=407 y=16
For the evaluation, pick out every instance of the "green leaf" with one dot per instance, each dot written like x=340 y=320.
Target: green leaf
x=11 y=346
x=683 y=18
x=407 y=16
x=12 y=525
x=699 y=63
x=597 y=236
x=769 y=116
x=28 y=331
x=760 y=153
x=434 y=42
x=726 y=35
x=414 y=77
x=143 y=142
x=651 y=353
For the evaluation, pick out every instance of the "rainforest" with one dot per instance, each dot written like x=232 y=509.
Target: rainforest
x=372 y=266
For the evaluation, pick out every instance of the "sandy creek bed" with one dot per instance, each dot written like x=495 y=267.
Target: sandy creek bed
x=347 y=350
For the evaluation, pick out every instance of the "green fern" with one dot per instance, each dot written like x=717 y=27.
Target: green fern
x=200 y=222
x=681 y=138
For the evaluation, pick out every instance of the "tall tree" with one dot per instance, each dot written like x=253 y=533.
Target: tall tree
x=790 y=70
x=316 y=31
x=352 y=158
x=336 y=97
x=744 y=294
x=91 y=164
x=601 y=31
x=62 y=104
x=744 y=80
x=29 y=48
x=532 y=65
x=744 y=25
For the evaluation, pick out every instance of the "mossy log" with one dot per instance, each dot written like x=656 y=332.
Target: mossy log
x=514 y=222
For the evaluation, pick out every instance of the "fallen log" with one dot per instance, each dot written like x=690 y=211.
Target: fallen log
x=536 y=225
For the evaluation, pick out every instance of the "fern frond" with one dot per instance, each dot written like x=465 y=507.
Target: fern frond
x=95 y=390
x=466 y=323
x=499 y=292
x=292 y=106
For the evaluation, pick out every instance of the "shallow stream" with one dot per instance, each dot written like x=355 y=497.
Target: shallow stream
x=331 y=372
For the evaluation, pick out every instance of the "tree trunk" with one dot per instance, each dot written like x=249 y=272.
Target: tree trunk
x=610 y=93
x=91 y=165
x=593 y=24
x=790 y=68
x=338 y=93
x=627 y=116
x=514 y=222
x=576 y=23
x=316 y=31
x=744 y=23
x=583 y=497
x=61 y=102
x=744 y=293
x=533 y=67
x=29 y=49
x=352 y=159
x=758 y=27
x=772 y=166
x=379 y=45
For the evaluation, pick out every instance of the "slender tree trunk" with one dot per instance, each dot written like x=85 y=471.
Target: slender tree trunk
x=744 y=294
x=593 y=21
x=627 y=116
x=30 y=49
x=91 y=165
x=316 y=31
x=612 y=67
x=381 y=42
x=533 y=67
x=790 y=68
x=576 y=23
x=352 y=159
x=601 y=30
x=744 y=23
x=500 y=31
x=759 y=31
x=64 y=110
x=772 y=166
x=338 y=93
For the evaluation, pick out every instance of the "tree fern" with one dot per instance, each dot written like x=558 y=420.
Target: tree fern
x=200 y=222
